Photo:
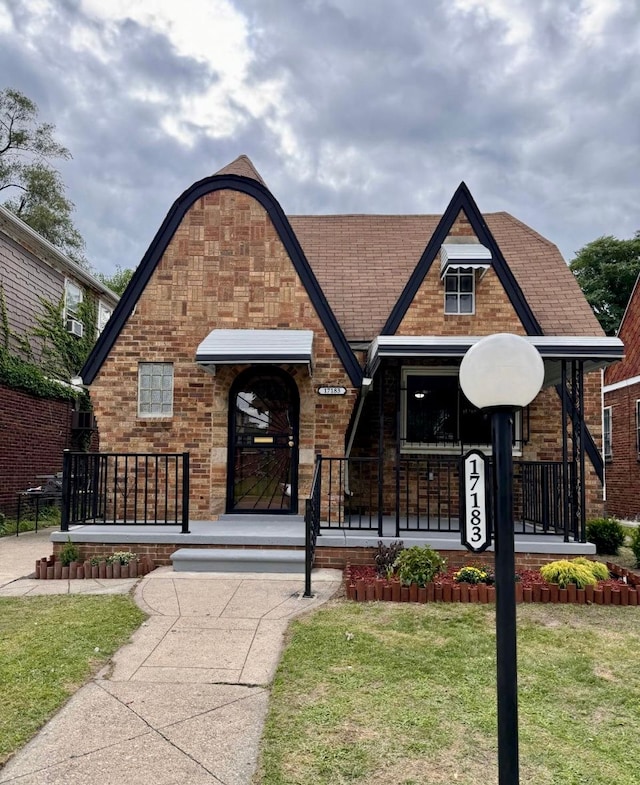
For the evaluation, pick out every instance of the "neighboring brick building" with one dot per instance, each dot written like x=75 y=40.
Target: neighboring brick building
x=34 y=430
x=621 y=419
x=256 y=341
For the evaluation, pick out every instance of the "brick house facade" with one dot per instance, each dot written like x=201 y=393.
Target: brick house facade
x=621 y=418
x=34 y=430
x=383 y=302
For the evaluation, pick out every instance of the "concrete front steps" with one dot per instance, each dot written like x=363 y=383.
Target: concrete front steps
x=261 y=535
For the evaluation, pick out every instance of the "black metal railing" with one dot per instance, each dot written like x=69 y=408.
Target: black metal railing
x=125 y=488
x=422 y=493
x=312 y=524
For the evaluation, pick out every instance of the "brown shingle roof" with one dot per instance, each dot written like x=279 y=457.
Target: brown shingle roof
x=363 y=262
x=243 y=167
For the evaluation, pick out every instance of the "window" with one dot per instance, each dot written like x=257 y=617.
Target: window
x=459 y=291
x=606 y=432
x=155 y=389
x=437 y=416
x=72 y=299
x=104 y=313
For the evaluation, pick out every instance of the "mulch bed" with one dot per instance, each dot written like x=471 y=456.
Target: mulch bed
x=362 y=585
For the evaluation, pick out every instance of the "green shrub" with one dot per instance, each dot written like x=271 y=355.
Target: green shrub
x=607 y=534
x=564 y=572
x=635 y=545
x=600 y=571
x=69 y=552
x=386 y=556
x=418 y=565
x=472 y=575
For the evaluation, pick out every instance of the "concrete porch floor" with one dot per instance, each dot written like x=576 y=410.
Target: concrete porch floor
x=288 y=531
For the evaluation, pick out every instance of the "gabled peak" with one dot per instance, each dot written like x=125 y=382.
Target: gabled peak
x=242 y=167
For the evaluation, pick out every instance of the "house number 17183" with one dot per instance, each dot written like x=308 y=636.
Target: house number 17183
x=476 y=535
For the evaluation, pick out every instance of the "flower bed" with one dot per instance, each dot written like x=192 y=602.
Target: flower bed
x=51 y=568
x=363 y=584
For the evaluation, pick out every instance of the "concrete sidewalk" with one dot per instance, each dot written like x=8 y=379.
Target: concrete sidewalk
x=186 y=699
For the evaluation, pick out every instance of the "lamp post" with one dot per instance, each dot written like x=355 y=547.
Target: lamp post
x=500 y=373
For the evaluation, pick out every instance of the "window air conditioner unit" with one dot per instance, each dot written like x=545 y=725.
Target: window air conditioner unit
x=75 y=327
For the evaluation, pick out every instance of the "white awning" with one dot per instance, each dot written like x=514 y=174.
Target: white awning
x=595 y=352
x=455 y=256
x=240 y=347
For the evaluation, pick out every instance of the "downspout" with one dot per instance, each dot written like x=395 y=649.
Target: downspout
x=367 y=386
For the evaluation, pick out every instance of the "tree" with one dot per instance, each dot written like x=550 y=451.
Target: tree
x=36 y=188
x=606 y=270
x=117 y=282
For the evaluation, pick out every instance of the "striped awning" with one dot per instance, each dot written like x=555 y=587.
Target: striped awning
x=455 y=256
x=240 y=347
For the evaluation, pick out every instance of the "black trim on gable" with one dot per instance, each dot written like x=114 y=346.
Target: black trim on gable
x=161 y=240
x=462 y=200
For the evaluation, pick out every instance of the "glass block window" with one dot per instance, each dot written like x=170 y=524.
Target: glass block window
x=155 y=389
x=606 y=433
x=459 y=291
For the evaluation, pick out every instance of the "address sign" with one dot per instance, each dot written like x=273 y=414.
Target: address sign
x=476 y=532
x=327 y=390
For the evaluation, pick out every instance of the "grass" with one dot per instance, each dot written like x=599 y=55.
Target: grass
x=47 y=517
x=380 y=693
x=49 y=646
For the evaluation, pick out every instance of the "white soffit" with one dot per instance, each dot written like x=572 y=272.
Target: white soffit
x=239 y=347
x=455 y=256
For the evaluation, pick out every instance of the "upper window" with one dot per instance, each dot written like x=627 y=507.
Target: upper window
x=437 y=416
x=72 y=299
x=155 y=389
x=104 y=313
x=459 y=291
x=607 y=422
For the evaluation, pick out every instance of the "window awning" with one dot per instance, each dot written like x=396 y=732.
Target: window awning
x=455 y=256
x=595 y=352
x=240 y=347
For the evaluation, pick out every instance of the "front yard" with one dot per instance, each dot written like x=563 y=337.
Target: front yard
x=405 y=695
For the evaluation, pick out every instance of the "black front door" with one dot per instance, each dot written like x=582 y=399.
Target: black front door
x=263 y=443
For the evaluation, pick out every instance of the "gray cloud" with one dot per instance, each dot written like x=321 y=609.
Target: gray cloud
x=383 y=107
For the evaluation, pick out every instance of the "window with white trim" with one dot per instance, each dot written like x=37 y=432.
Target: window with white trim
x=607 y=422
x=436 y=416
x=459 y=291
x=155 y=389
x=73 y=296
x=104 y=314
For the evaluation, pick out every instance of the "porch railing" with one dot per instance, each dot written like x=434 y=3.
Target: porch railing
x=423 y=494
x=135 y=489
x=312 y=524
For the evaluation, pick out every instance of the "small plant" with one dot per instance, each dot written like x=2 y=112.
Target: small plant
x=418 y=565
x=95 y=561
x=635 y=545
x=69 y=552
x=471 y=575
x=600 y=571
x=563 y=572
x=121 y=557
x=607 y=534
x=386 y=556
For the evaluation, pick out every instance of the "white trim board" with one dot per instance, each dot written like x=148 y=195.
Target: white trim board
x=619 y=385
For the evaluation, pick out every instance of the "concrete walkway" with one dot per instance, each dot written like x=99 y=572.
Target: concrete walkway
x=185 y=699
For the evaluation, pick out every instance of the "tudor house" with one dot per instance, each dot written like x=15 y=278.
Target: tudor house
x=318 y=356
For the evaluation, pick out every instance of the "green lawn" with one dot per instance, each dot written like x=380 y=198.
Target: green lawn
x=48 y=648
x=396 y=694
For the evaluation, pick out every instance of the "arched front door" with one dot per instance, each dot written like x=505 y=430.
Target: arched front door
x=264 y=408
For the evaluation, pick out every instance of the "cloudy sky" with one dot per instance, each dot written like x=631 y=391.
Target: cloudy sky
x=343 y=105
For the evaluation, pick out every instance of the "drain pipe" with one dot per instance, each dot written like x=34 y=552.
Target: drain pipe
x=367 y=386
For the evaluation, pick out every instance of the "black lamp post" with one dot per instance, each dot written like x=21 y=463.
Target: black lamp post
x=501 y=373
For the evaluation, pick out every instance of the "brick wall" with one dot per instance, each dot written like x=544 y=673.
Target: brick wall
x=33 y=434
x=225 y=267
x=623 y=469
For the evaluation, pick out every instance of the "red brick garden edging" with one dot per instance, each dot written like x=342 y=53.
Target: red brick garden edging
x=627 y=593
x=52 y=569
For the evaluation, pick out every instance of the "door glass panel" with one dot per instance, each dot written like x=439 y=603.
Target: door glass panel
x=264 y=423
